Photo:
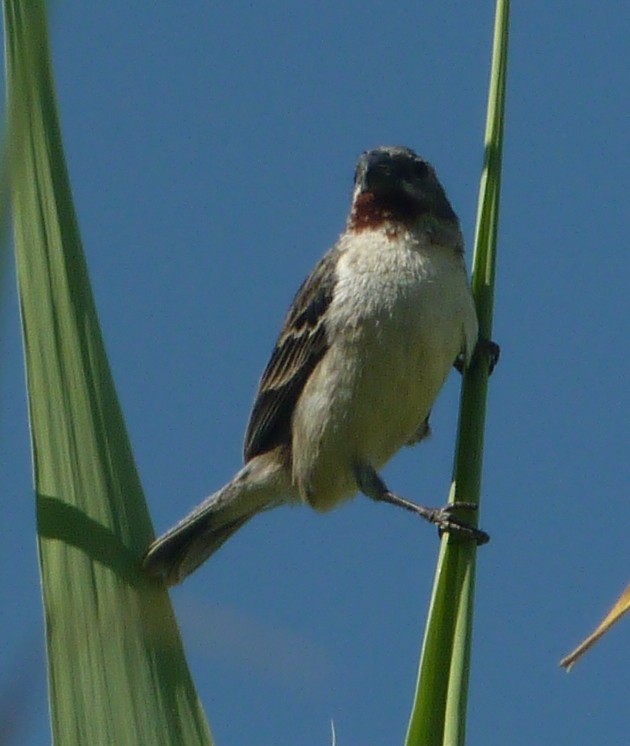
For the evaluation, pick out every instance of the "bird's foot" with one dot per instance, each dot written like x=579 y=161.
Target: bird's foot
x=444 y=518
x=489 y=351
x=485 y=349
x=373 y=486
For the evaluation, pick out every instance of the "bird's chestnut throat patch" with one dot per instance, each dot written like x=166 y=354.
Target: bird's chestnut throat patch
x=371 y=211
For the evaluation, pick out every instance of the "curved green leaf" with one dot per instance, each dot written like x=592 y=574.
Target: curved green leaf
x=117 y=673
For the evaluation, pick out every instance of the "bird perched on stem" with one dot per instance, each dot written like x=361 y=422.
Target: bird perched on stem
x=364 y=350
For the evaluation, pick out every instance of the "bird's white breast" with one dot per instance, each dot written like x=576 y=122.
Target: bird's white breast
x=401 y=313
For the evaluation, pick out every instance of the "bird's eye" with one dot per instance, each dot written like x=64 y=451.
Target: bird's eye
x=420 y=169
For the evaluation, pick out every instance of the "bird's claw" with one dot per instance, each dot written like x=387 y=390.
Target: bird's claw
x=444 y=519
x=484 y=349
x=489 y=350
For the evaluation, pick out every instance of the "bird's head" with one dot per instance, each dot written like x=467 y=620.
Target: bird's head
x=394 y=185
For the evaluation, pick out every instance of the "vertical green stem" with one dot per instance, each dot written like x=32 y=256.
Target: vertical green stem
x=438 y=716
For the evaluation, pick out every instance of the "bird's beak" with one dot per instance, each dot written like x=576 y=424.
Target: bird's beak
x=376 y=173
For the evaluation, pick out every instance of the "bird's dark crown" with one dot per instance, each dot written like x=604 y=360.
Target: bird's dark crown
x=393 y=185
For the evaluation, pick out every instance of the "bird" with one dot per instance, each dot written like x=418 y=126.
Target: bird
x=364 y=350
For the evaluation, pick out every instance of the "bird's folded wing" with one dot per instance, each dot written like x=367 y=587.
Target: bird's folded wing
x=301 y=345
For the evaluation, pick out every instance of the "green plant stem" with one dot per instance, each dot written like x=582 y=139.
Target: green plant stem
x=438 y=716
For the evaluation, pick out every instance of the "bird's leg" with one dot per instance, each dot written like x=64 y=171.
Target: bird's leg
x=484 y=349
x=374 y=487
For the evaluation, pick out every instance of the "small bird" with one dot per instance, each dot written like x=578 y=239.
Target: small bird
x=364 y=350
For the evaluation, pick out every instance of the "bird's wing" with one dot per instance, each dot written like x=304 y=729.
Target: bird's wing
x=301 y=345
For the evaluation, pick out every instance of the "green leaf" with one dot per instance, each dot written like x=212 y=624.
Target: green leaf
x=117 y=673
x=438 y=715
x=4 y=223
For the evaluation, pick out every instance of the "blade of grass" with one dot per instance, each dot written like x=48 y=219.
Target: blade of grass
x=117 y=673
x=4 y=224
x=438 y=714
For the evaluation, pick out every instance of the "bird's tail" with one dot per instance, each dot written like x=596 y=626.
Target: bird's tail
x=261 y=484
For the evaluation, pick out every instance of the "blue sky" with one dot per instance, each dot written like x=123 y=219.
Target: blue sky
x=211 y=149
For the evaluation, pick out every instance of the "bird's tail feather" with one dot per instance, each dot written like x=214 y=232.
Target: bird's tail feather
x=258 y=486
x=179 y=552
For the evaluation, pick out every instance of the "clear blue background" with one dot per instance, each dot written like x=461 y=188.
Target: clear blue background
x=211 y=148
